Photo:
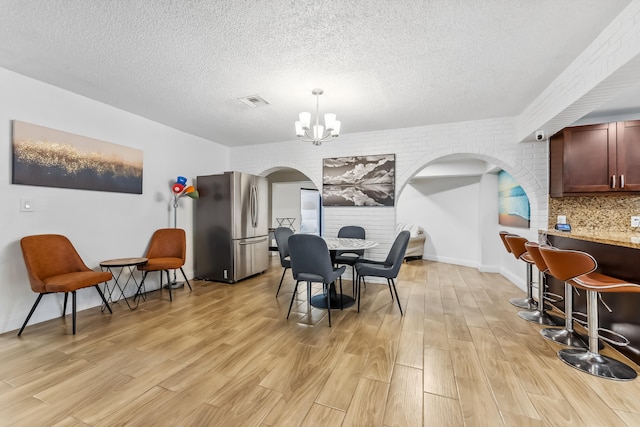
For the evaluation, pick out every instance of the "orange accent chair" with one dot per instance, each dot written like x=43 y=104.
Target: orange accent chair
x=53 y=266
x=167 y=251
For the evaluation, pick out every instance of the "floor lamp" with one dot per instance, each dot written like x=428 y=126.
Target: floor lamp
x=180 y=189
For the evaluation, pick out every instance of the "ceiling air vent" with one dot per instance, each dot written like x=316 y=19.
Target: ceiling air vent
x=253 y=101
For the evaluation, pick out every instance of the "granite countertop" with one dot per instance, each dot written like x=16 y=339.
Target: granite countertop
x=629 y=239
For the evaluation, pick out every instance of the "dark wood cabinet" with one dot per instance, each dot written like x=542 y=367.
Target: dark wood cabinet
x=602 y=158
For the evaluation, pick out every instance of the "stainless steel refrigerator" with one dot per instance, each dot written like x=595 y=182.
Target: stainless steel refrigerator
x=231 y=230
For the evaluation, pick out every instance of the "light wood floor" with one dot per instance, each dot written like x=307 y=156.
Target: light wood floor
x=224 y=355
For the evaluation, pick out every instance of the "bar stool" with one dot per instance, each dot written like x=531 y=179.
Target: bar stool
x=567 y=335
x=515 y=245
x=539 y=316
x=577 y=269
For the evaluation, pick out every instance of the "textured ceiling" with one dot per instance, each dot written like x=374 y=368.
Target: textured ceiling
x=382 y=64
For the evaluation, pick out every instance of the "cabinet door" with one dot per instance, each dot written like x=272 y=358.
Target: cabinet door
x=629 y=155
x=589 y=161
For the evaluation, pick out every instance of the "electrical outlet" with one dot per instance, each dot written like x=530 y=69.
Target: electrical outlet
x=635 y=221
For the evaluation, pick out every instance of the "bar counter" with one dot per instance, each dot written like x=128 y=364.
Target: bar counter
x=615 y=238
x=618 y=255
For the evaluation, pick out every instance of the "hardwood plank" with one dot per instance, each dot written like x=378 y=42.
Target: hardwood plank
x=438 y=373
x=410 y=349
x=441 y=411
x=457 y=328
x=381 y=359
x=339 y=388
x=323 y=416
x=478 y=406
x=404 y=402
x=367 y=408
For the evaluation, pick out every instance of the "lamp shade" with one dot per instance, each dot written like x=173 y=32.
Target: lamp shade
x=305 y=120
x=177 y=188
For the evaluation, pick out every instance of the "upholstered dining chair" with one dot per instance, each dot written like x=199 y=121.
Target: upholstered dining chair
x=311 y=263
x=282 y=240
x=54 y=266
x=350 y=257
x=389 y=268
x=167 y=251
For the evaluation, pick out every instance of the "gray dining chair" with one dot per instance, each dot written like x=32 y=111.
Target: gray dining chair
x=282 y=240
x=350 y=257
x=388 y=268
x=311 y=263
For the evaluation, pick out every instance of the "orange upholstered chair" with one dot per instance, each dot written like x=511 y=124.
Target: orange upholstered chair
x=167 y=251
x=54 y=266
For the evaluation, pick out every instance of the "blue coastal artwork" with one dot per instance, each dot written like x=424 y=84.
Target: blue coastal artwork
x=514 y=209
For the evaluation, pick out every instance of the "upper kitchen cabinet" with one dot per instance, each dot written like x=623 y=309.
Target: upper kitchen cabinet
x=595 y=159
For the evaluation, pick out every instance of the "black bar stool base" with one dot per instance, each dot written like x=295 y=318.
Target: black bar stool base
x=597 y=364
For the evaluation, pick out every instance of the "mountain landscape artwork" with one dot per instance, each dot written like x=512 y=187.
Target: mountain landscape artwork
x=359 y=180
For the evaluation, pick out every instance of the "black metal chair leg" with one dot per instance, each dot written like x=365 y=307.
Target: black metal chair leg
x=168 y=284
x=281 y=279
x=359 y=290
x=328 y=302
x=353 y=280
x=292 y=298
x=185 y=279
x=389 y=285
x=64 y=305
x=103 y=298
x=73 y=305
x=397 y=297
x=30 y=313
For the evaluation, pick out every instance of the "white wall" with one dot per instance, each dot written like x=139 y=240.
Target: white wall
x=460 y=218
x=101 y=225
x=449 y=210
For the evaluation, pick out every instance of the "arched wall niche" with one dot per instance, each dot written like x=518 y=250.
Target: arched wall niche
x=537 y=197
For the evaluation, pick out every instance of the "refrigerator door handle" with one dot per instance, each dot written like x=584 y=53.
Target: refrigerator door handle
x=253 y=242
x=254 y=206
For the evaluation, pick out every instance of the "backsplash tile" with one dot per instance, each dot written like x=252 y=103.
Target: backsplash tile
x=606 y=213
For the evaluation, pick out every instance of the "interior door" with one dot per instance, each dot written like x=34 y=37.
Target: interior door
x=310 y=211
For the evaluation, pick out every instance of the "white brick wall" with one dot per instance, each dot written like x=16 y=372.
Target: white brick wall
x=491 y=140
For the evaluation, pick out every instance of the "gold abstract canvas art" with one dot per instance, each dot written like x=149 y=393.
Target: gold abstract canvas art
x=53 y=158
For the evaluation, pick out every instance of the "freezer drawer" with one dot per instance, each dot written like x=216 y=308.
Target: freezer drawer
x=250 y=256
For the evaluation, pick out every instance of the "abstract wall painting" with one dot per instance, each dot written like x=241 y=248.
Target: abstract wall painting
x=514 y=209
x=359 y=181
x=53 y=158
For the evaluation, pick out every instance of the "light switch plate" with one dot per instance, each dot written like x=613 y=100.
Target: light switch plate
x=635 y=221
x=26 y=205
x=562 y=219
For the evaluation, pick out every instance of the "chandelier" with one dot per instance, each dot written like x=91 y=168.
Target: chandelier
x=317 y=133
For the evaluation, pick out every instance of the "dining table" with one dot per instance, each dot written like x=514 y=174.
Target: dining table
x=335 y=244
